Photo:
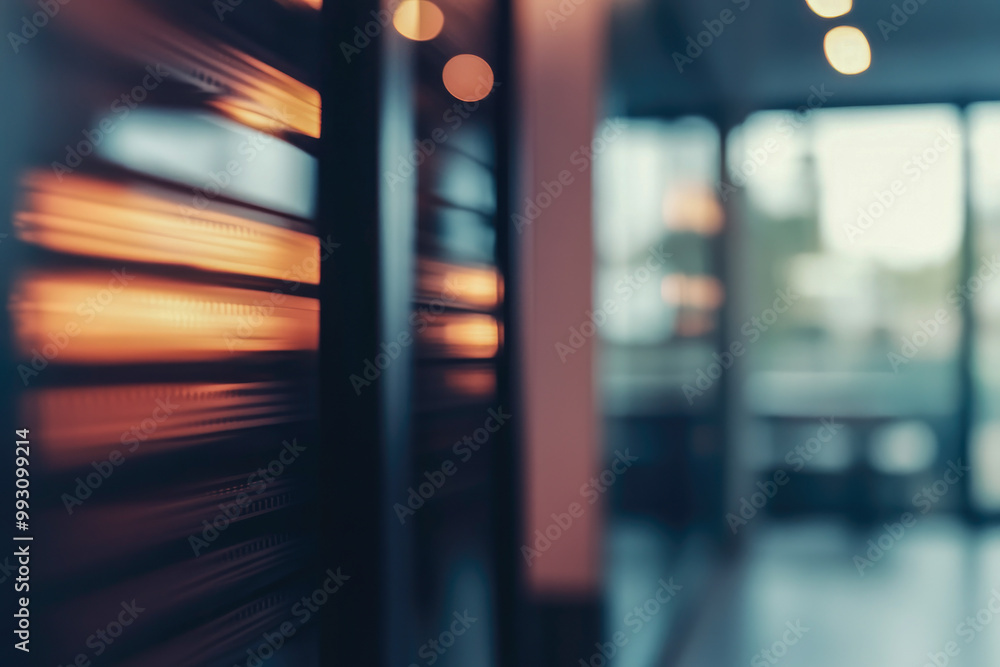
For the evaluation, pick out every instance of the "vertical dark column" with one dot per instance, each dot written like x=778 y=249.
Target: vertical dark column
x=350 y=292
x=507 y=462
x=729 y=412
x=966 y=412
x=16 y=72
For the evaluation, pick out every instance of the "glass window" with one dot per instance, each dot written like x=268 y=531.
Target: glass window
x=854 y=219
x=657 y=216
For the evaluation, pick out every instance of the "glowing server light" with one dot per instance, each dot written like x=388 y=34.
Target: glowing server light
x=468 y=77
x=79 y=422
x=418 y=20
x=466 y=287
x=461 y=336
x=830 y=9
x=99 y=317
x=311 y=4
x=237 y=85
x=80 y=215
x=847 y=50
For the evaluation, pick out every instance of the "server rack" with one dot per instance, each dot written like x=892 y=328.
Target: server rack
x=162 y=324
x=202 y=466
x=427 y=282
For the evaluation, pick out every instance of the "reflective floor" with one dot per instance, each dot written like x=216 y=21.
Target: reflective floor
x=797 y=598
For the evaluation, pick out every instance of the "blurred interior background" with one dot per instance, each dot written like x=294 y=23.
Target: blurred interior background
x=506 y=332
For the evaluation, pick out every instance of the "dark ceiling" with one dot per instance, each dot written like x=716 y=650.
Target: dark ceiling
x=770 y=55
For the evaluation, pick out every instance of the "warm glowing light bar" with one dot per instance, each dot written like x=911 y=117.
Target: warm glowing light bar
x=77 y=424
x=701 y=292
x=311 y=4
x=457 y=286
x=480 y=382
x=448 y=386
x=242 y=87
x=119 y=317
x=96 y=218
x=465 y=336
x=693 y=208
x=259 y=91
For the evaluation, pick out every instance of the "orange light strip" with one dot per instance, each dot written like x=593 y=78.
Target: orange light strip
x=693 y=207
x=117 y=317
x=464 y=336
x=312 y=4
x=275 y=97
x=78 y=423
x=457 y=286
x=699 y=292
x=244 y=88
x=96 y=218
x=471 y=381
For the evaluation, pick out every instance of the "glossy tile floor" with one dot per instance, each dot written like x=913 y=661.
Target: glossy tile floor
x=797 y=598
